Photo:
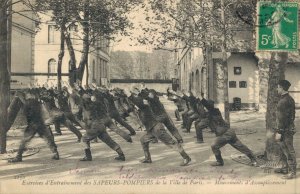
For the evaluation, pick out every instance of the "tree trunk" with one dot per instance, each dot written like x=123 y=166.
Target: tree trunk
x=278 y=62
x=72 y=62
x=60 y=55
x=85 y=42
x=84 y=57
x=4 y=77
x=225 y=66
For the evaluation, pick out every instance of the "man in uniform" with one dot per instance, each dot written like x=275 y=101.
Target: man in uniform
x=58 y=116
x=154 y=129
x=161 y=114
x=96 y=120
x=224 y=134
x=285 y=116
x=35 y=124
x=114 y=113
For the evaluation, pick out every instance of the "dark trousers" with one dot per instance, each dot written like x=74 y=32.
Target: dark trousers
x=200 y=124
x=177 y=115
x=107 y=121
x=190 y=120
x=121 y=121
x=58 y=117
x=229 y=137
x=96 y=128
x=43 y=131
x=289 y=155
x=167 y=121
x=159 y=132
x=184 y=117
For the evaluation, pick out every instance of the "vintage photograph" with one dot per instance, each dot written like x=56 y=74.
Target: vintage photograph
x=149 y=96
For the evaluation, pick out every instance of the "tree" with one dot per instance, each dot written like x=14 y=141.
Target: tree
x=122 y=65
x=192 y=23
x=4 y=74
x=6 y=12
x=96 y=19
x=277 y=66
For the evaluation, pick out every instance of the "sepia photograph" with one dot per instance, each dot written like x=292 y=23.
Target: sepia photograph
x=149 y=96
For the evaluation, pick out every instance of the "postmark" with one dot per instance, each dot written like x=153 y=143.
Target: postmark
x=246 y=12
x=277 y=26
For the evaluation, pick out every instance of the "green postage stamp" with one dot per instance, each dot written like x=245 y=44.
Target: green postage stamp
x=277 y=26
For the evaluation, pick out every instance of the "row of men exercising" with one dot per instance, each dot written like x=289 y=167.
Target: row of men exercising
x=201 y=111
x=98 y=109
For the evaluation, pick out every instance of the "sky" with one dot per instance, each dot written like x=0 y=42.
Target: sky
x=137 y=18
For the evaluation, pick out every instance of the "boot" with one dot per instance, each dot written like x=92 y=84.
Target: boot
x=129 y=140
x=180 y=141
x=253 y=161
x=219 y=161
x=18 y=158
x=132 y=133
x=88 y=155
x=199 y=136
x=186 y=161
x=186 y=158
x=55 y=156
x=290 y=175
x=121 y=155
x=147 y=158
x=283 y=170
x=57 y=129
x=79 y=138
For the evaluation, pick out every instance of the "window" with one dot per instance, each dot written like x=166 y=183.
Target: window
x=73 y=28
x=243 y=84
x=232 y=84
x=52 y=66
x=51 y=33
x=237 y=70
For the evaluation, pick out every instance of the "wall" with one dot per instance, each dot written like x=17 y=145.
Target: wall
x=190 y=61
x=22 y=46
x=44 y=51
x=160 y=87
x=249 y=95
x=292 y=73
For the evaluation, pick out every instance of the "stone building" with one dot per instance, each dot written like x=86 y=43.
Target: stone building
x=47 y=47
x=201 y=70
x=22 y=42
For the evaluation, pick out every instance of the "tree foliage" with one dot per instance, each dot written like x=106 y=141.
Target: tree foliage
x=193 y=23
x=105 y=18
x=141 y=65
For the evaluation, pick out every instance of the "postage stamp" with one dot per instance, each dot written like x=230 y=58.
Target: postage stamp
x=277 y=26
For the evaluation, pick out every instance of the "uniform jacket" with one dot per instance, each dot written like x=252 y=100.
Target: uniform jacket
x=285 y=114
x=145 y=113
x=216 y=121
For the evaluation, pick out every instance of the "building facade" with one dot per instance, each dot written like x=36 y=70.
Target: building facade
x=201 y=70
x=47 y=48
x=22 y=42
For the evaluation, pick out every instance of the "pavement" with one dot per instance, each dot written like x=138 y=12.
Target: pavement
x=105 y=175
